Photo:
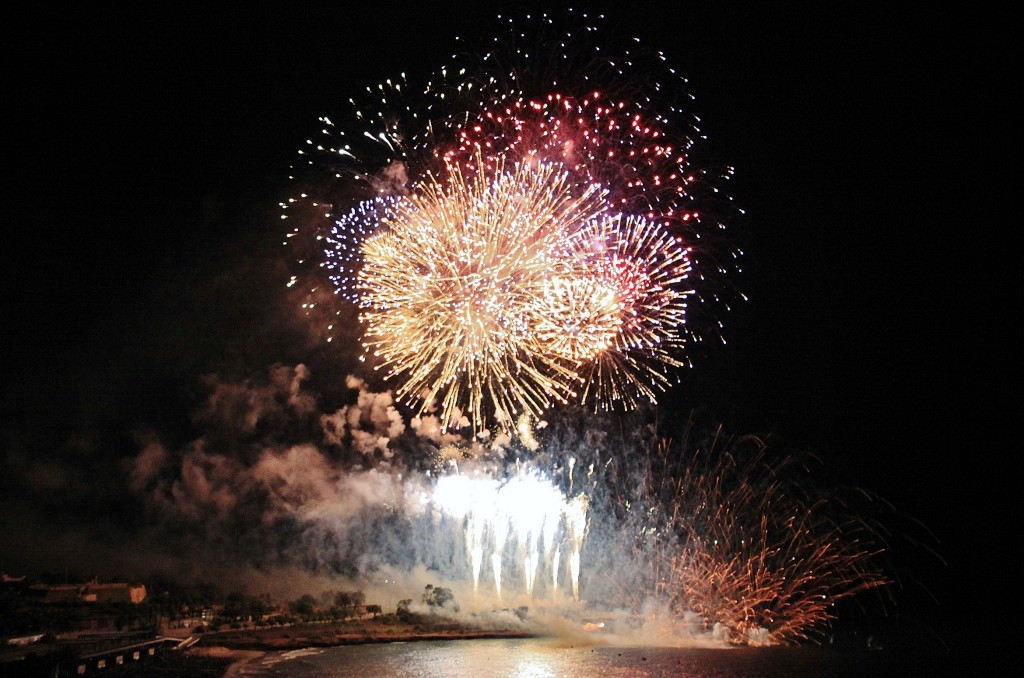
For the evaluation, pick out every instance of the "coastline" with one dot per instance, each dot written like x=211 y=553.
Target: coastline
x=241 y=647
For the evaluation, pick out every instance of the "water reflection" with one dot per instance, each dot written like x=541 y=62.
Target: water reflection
x=546 y=658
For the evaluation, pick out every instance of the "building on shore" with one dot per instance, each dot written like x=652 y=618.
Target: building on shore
x=92 y=592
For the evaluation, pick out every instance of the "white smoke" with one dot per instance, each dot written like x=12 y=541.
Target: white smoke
x=370 y=424
x=274 y=485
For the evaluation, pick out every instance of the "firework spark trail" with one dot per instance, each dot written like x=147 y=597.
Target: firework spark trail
x=522 y=524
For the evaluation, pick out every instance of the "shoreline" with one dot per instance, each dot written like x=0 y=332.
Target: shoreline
x=237 y=658
x=242 y=647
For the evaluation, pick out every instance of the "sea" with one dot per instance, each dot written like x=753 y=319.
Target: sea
x=550 y=658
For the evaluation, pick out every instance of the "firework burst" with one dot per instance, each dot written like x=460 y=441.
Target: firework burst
x=598 y=141
x=724 y=534
x=451 y=285
x=515 y=237
x=644 y=270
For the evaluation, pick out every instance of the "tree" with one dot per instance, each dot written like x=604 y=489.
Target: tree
x=305 y=605
x=348 y=601
x=438 y=596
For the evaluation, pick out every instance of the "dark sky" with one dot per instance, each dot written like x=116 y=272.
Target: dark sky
x=146 y=149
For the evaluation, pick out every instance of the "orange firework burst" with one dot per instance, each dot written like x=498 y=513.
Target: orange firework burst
x=741 y=543
x=450 y=288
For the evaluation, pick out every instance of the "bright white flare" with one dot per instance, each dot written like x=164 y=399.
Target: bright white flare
x=525 y=520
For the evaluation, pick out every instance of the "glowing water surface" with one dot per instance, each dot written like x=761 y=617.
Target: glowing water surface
x=550 y=658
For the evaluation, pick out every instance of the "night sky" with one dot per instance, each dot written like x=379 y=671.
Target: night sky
x=146 y=153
